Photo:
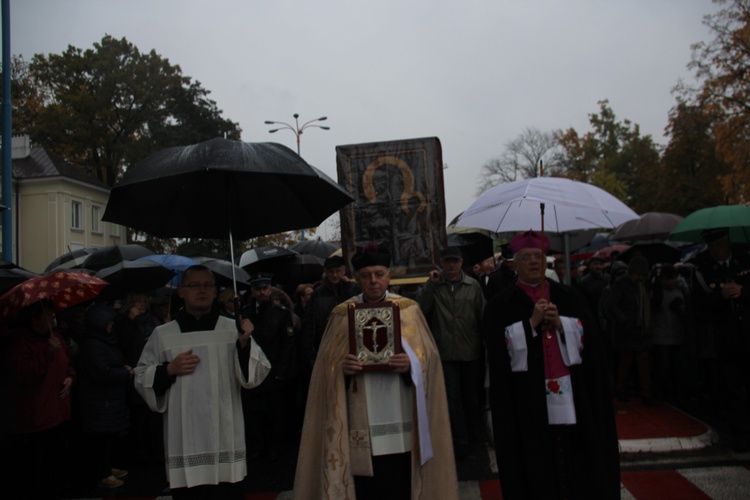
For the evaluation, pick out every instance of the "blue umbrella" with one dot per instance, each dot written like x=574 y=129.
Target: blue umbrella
x=176 y=263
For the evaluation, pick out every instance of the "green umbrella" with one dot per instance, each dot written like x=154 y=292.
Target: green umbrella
x=734 y=217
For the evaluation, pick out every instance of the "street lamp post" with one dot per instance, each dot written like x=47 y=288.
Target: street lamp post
x=296 y=127
x=298 y=132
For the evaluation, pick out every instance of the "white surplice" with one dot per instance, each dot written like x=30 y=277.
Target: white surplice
x=204 y=432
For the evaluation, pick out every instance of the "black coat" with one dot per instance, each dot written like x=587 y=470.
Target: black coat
x=102 y=385
x=524 y=442
x=274 y=333
x=729 y=320
x=620 y=306
x=324 y=299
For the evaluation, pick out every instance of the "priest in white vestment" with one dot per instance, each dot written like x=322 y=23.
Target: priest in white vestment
x=376 y=434
x=191 y=370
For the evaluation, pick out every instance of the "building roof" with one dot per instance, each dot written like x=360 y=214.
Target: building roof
x=42 y=163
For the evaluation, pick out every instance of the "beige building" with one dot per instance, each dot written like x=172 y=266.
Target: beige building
x=56 y=207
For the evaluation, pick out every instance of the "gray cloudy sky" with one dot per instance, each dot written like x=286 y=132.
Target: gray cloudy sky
x=473 y=73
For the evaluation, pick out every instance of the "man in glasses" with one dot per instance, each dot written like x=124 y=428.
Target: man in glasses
x=192 y=370
x=552 y=414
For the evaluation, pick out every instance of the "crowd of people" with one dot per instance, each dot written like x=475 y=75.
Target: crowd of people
x=205 y=382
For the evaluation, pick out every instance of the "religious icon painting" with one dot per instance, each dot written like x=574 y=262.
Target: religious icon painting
x=399 y=201
x=374 y=333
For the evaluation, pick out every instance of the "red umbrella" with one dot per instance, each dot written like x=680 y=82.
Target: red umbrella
x=606 y=252
x=64 y=288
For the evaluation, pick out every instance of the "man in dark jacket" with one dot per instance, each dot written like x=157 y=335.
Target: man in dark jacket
x=722 y=306
x=102 y=404
x=593 y=283
x=335 y=288
x=552 y=414
x=504 y=276
x=266 y=407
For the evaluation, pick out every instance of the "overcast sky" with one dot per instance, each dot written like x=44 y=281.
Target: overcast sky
x=473 y=73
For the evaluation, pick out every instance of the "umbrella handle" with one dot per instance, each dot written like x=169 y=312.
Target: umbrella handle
x=237 y=315
x=544 y=256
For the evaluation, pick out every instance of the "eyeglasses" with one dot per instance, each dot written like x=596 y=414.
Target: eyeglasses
x=198 y=286
x=529 y=257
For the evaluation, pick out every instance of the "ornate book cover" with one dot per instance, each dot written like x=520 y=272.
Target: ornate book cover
x=374 y=333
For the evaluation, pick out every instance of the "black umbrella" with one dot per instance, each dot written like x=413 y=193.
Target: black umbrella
x=11 y=275
x=225 y=272
x=316 y=247
x=655 y=252
x=262 y=258
x=297 y=269
x=475 y=247
x=223 y=189
x=649 y=226
x=114 y=254
x=134 y=276
x=69 y=260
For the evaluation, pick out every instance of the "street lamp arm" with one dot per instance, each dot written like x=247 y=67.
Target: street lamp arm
x=286 y=125
x=316 y=126
x=321 y=119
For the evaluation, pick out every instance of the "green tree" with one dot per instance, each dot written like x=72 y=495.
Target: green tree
x=108 y=107
x=722 y=66
x=105 y=109
x=613 y=156
x=688 y=175
x=28 y=96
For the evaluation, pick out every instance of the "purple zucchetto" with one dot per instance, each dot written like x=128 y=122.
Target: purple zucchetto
x=529 y=239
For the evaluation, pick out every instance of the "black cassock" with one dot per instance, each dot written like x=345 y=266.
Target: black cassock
x=536 y=460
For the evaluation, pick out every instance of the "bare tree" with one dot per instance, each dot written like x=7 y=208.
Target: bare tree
x=521 y=158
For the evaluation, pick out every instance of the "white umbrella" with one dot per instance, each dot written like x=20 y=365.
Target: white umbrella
x=569 y=206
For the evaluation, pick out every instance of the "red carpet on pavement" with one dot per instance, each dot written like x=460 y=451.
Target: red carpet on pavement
x=660 y=484
x=636 y=420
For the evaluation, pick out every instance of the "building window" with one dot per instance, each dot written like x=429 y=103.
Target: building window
x=114 y=230
x=96 y=219
x=76 y=221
